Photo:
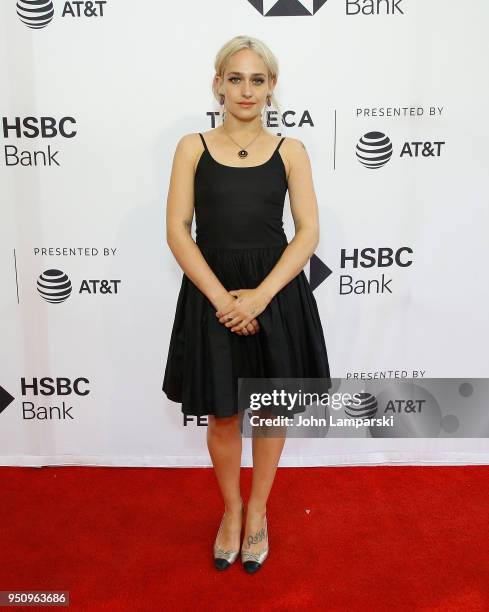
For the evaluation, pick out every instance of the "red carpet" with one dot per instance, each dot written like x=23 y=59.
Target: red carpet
x=342 y=539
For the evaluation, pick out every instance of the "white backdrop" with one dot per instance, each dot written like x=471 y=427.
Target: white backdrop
x=121 y=83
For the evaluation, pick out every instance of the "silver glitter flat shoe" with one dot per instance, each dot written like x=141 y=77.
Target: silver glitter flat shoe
x=253 y=561
x=224 y=558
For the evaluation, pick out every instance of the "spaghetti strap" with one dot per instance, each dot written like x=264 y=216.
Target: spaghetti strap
x=203 y=141
x=278 y=146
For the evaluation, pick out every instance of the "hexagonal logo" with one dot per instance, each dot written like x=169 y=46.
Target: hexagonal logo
x=287 y=8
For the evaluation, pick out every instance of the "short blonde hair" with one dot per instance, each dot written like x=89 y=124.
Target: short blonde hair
x=247 y=42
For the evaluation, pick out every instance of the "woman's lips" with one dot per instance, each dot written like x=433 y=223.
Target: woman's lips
x=246 y=103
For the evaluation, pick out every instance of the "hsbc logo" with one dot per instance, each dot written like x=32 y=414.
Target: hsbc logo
x=287 y=8
x=301 y=8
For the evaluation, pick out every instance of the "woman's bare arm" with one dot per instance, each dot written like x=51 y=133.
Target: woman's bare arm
x=179 y=215
x=304 y=209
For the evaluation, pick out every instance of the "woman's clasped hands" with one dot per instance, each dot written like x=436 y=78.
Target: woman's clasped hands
x=239 y=314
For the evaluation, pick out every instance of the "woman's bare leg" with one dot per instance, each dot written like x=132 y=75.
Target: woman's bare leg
x=225 y=446
x=267 y=446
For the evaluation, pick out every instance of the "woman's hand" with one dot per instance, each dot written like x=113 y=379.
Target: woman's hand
x=225 y=304
x=238 y=315
x=250 y=330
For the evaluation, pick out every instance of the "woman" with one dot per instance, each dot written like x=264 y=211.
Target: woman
x=245 y=307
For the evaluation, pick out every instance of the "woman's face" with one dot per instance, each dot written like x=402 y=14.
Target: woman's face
x=245 y=80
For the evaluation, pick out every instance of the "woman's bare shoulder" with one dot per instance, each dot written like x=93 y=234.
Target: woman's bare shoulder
x=293 y=144
x=189 y=141
x=295 y=151
x=189 y=148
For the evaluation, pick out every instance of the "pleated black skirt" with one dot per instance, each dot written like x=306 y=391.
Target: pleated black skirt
x=205 y=359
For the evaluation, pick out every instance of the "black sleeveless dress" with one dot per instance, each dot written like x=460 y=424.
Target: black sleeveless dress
x=239 y=231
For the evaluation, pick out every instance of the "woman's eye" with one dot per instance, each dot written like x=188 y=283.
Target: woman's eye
x=259 y=81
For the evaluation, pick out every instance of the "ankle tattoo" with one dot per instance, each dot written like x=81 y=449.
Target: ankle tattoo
x=258 y=537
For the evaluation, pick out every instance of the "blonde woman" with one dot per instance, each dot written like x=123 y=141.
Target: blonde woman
x=245 y=307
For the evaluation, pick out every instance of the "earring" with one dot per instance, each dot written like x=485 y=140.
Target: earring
x=264 y=112
x=223 y=112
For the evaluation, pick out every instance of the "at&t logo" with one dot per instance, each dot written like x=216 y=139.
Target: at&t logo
x=37 y=14
x=374 y=149
x=55 y=287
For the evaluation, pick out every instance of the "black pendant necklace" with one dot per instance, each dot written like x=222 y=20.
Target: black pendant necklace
x=242 y=153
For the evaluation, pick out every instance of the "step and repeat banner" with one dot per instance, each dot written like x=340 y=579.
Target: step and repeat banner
x=390 y=99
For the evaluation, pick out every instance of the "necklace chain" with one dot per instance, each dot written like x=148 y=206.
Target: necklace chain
x=242 y=152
